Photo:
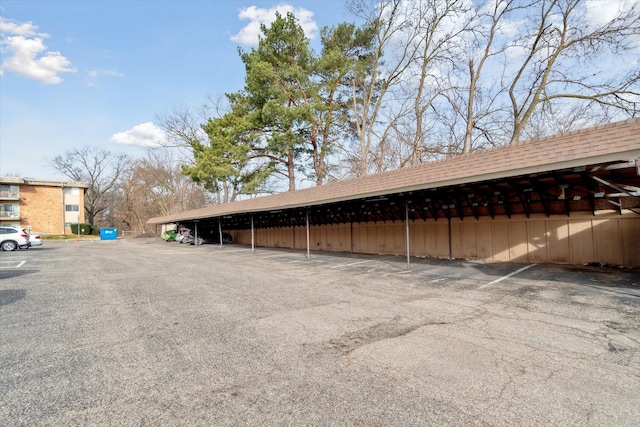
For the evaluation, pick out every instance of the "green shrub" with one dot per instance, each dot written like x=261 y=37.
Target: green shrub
x=85 y=229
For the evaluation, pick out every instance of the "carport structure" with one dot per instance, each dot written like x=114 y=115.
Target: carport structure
x=569 y=198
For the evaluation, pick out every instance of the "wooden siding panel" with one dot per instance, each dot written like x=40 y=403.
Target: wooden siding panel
x=301 y=237
x=501 y=241
x=469 y=230
x=321 y=238
x=456 y=238
x=397 y=243
x=417 y=238
x=442 y=239
x=316 y=238
x=630 y=236
x=538 y=241
x=518 y=241
x=558 y=241
x=347 y=238
x=581 y=241
x=607 y=241
x=485 y=239
x=371 y=246
x=379 y=239
x=357 y=237
x=431 y=238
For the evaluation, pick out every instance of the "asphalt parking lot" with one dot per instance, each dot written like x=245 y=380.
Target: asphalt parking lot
x=142 y=332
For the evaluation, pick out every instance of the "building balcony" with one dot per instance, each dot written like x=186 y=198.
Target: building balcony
x=9 y=195
x=9 y=215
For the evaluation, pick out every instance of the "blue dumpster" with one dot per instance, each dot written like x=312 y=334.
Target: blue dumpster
x=107 y=233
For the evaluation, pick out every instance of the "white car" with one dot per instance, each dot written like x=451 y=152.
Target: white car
x=35 y=239
x=183 y=234
x=12 y=238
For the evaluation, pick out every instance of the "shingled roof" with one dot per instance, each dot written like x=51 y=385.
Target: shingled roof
x=603 y=144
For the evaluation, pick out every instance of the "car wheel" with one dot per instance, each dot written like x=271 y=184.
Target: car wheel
x=8 y=245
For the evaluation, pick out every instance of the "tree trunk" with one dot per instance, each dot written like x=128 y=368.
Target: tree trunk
x=470 y=102
x=291 y=170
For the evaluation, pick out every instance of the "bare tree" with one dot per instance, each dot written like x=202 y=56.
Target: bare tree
x=553 y=118
x=186 y=129
x=183 y=125
x=476 y=103
x=153 y=186
x=370 y=87
x=561 y=51
x=100 y=169
x=439 y=27
x=497 y=66
x=392 y=103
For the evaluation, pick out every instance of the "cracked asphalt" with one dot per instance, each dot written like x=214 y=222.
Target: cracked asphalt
x=140 y=332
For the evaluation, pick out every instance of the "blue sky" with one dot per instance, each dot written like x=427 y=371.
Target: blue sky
x=77 y=73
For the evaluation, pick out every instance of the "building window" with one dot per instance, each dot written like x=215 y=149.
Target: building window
x=72 y=191
x=72 y=208
x=10 y=210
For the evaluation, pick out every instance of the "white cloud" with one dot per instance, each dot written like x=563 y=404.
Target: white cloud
x=146 y=135
x=26 y=53
x=94 y=75
x=248 y=36
x=26 y=29
x=599 y=12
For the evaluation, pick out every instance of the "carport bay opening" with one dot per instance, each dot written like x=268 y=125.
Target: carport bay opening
x=585 y=213
x=607 y=238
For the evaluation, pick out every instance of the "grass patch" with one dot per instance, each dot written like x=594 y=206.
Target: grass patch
x=68 y=237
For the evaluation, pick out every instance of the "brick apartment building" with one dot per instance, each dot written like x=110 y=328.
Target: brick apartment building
x=47 y=207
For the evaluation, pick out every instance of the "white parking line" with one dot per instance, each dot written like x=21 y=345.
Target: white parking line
x=274 y=256
x=228 y=251
x=397 y=273
x=520 y=270
x=352 y=263
x=218 y=248
x=20 y=264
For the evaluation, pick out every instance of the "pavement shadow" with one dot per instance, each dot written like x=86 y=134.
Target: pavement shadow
x=10 y=274
x=8 y=296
